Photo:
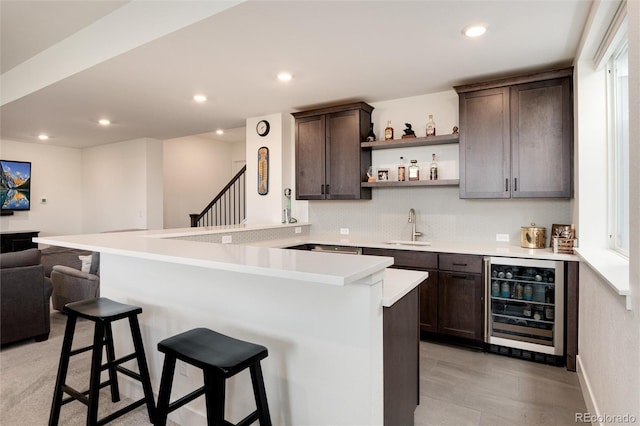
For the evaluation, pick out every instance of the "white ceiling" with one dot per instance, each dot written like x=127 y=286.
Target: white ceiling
x=337 y=50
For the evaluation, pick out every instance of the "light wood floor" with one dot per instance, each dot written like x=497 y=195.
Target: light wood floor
x=466 y=387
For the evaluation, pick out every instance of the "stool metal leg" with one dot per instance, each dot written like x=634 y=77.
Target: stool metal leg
x=142 y=366
x=96 y=369
x=164 y=394
x=260 y=394
x=111 y=357
x=214 y=395
x=62 y=370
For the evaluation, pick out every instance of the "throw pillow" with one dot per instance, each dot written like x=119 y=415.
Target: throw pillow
x=86 y=263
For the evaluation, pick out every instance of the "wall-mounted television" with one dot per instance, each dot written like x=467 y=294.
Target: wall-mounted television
x=15 y=185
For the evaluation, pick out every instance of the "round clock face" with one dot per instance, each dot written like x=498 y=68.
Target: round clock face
x=262 y=128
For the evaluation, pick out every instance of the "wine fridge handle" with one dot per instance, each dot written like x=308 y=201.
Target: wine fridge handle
x=487 y=297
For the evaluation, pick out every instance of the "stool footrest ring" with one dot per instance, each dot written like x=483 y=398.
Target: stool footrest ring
x=185 y=399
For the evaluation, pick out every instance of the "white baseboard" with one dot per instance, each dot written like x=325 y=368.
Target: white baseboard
x=587 y=392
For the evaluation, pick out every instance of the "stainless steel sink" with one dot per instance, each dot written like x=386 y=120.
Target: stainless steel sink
x=407 y=243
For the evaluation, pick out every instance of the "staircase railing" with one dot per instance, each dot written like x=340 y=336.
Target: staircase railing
x=228 y=207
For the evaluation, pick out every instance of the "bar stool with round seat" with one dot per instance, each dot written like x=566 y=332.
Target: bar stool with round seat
x=102 y=312
x=220 y=357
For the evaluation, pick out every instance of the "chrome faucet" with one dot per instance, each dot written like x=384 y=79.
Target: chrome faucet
x=412 y=221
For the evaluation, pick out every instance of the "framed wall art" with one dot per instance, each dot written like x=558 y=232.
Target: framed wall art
x=263 y=170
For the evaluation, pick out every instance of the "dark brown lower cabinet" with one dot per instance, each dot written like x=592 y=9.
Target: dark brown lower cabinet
x=429 y=303
x=460 y=305
x=401 y=353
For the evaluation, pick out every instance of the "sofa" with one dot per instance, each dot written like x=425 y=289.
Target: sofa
x=74 y=275
x=24 y=297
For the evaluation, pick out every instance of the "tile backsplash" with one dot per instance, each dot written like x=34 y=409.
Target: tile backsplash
x=441 y=215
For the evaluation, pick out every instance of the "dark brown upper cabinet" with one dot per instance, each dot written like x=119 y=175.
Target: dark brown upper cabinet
x=516 y=137
x=329 y=162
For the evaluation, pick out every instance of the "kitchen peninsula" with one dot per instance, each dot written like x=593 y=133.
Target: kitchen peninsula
x=319 y=314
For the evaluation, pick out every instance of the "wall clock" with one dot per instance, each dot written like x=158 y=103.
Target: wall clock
x=262 y=128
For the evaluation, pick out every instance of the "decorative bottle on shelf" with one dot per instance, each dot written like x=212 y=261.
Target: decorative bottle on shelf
x=433 y=170
x=527 y=293
x=548 y=294
x=414 y=170
x=505 y=290
x=431 y=126
x=495 y=288
x=519 y=291
x=371 y=137
x=388 y=132
x=401 y=171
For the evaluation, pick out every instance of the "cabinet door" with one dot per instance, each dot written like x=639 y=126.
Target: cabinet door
x=343 y=175
x=429 y=303
x=310 y=158
x=542 y=138
x=401 y=353
x=485 y=144
x=460 y=305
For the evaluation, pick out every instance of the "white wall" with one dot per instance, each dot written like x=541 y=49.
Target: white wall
x=441 y=215
x=56 y=175
x=122 y=186
x=268 y=208
x=195 y=170
x=609 y=334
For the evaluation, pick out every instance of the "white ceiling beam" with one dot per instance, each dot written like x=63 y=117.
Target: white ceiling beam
x=126 y=28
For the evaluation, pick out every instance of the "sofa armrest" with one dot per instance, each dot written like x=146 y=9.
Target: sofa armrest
x=24 y=297
x=75 y=273
x=72 y=285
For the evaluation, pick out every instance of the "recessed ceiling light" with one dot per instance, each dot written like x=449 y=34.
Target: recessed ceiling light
x=219 y=132
x=285 y=76
x=43 y=137
x=475 y=30
x=104 y=122
x=199 y=98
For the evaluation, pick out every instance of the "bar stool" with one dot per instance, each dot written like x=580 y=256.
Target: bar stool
x=220 y=357
x=102 y=312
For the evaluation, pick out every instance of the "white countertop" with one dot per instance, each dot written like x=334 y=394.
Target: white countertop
x=268 y=259
x=327 y=268
x=398 y=283
x=482 y=249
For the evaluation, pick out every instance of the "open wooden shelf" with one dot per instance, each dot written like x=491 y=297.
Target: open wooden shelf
x=395 y=184
x=411 y=142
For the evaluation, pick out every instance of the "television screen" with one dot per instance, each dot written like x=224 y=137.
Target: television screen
x=15 y=185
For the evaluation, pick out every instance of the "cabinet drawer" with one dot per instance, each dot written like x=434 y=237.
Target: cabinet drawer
x=461 y=263
x=406 y=258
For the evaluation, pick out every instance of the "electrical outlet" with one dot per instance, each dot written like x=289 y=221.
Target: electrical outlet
x=344 y=231
x=298 y=230
x=182 y=368
x=43 y=200
x=227 y=239
x=502 y=238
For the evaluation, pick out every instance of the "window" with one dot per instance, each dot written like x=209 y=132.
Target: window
x=618 y=96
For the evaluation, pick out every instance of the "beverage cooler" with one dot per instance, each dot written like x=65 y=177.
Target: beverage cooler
x=525 y=308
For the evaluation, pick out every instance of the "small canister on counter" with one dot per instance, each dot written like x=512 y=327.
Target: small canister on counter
x=533 y=236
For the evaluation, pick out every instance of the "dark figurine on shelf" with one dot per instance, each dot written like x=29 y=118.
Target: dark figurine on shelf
x=408 y=132
x=371 y=137
x=455 y=130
